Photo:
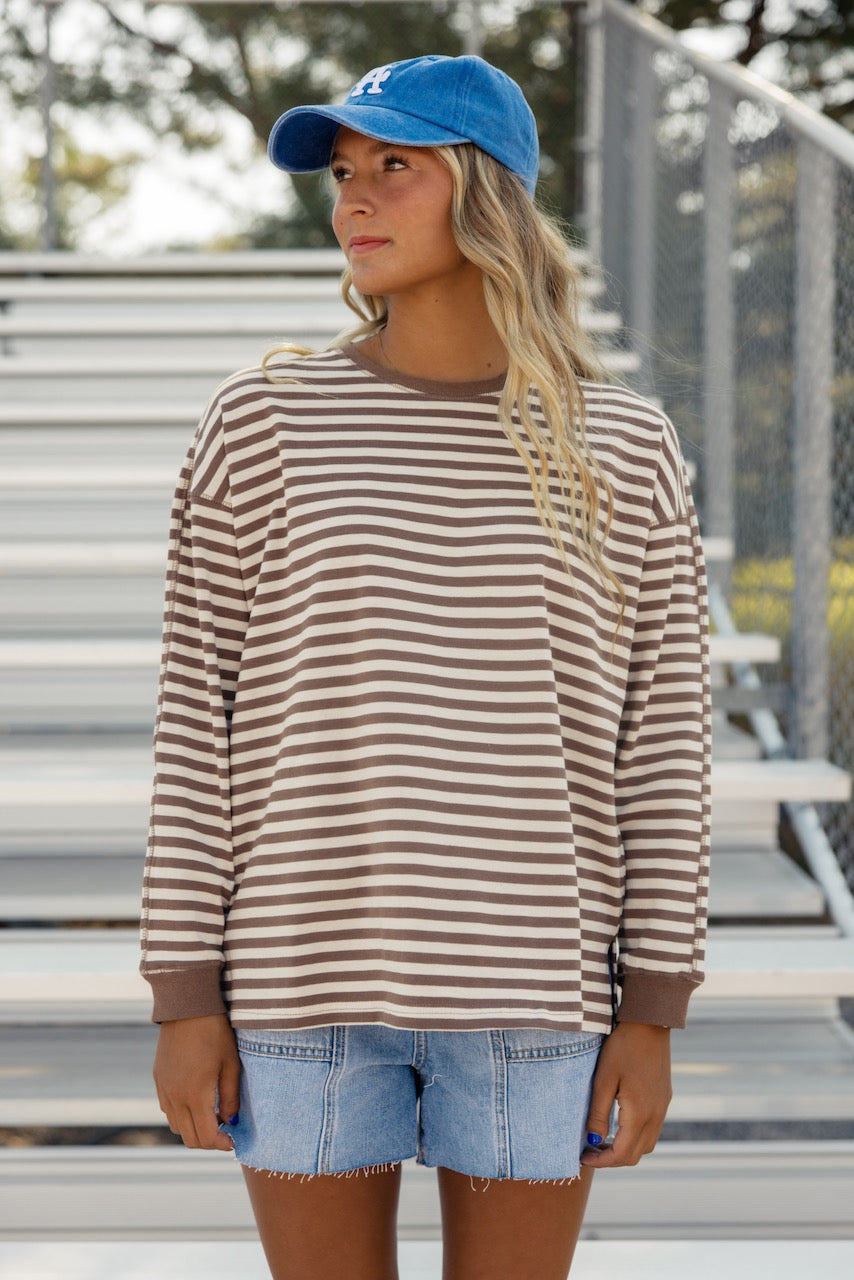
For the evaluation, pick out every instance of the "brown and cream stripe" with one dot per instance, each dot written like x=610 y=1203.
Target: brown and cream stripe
x=405 y=773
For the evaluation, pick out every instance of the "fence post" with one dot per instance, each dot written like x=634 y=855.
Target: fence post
x=614 y=159
x=718 y=327
x=590 y=141
x=641 y=232
x=812 y=455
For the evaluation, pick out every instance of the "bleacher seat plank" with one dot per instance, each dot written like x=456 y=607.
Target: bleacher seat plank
x=106 y=413
x=87 y=776
x=263 y=322
x=760 y=883
x=745 y=646
x=810 y=781
x=60 y=887
x=91 y=974
x=746 y=883
x=775 y=968
x=255 y=262
x=422 y=1260
x=726 y=1190
x=56 y=448
x=765 y=1069
x=25 y=294
x=76 y=654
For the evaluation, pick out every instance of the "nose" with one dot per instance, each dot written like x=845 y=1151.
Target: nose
x=354 y=196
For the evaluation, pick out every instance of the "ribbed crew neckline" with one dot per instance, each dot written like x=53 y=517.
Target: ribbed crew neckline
x=430 y=387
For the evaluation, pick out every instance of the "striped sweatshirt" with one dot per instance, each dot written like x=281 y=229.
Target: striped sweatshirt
x=409 y=769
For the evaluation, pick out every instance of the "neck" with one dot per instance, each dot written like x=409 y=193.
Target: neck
x=447 y=339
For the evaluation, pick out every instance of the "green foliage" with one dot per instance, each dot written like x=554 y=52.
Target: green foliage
x=181 y=70
x=761 y=600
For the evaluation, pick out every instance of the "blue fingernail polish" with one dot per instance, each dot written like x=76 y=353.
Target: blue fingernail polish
x=594 y=1139
x=234 y=1119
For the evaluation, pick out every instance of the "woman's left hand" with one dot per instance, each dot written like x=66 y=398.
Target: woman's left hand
x=634 y=1070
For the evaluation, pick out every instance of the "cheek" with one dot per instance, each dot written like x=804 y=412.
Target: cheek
x=337 y=223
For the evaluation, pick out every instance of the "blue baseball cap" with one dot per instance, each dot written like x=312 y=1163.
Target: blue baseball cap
x=432 y=101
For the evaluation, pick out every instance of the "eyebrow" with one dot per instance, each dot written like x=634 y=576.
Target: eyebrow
x=377 y=146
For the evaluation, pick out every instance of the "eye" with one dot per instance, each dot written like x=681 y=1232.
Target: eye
x=391 y=161
x=339 y=172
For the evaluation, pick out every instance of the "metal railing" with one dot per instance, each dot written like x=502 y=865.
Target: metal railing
x=722 y=210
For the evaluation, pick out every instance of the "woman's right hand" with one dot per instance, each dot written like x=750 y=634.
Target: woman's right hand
x=197 y=1063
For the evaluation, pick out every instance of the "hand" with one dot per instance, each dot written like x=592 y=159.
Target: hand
x=196 y=1063
x=634 y=1069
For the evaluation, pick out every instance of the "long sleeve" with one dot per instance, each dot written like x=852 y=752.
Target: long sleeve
x=663 y=765
x=189 y=867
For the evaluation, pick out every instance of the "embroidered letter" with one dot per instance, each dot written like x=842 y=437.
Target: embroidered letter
x=375 y=79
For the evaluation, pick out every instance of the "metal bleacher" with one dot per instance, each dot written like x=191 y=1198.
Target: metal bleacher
x=104 y=368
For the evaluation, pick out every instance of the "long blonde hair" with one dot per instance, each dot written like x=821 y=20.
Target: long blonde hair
x=531 y=289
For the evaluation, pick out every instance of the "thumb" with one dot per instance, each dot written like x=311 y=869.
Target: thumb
x=229 y=1090
x=599 y=1115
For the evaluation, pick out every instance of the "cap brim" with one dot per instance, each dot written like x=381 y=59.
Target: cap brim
x=301 y=140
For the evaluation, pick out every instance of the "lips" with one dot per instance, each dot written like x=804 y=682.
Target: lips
x=364 y=244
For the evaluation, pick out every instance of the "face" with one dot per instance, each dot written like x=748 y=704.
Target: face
x=392 y=216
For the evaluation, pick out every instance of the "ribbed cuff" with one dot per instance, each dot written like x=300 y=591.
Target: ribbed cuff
x=191 y=992
x=660 y=999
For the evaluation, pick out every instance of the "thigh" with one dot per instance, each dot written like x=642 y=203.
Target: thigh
x=327 y=1227
x=510 y=1229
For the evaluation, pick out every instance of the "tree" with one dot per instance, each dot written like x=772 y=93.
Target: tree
x=184 y=70
x=814 y=41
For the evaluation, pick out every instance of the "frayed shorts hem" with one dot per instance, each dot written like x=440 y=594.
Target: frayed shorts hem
x=389 y=1166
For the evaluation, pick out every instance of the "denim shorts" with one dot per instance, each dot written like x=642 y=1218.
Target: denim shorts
x=492 y=1104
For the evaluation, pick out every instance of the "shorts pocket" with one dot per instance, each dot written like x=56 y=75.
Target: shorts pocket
x=314 y=1043
x=524 y=1044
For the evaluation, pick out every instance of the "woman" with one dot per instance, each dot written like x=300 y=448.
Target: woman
x=428 y=861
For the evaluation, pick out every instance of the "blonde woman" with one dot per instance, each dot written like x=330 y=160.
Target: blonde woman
x=427 y=872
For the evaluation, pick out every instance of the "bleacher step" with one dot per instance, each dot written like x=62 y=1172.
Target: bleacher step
x=745 y=883
x=101 y=654
x=94 y=682
x=768 y=1069
x=691 y=1191
x=90 y=975
x=422 y=1260
x=89 y=780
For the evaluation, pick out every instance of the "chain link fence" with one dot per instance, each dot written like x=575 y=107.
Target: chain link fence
x=724 y=218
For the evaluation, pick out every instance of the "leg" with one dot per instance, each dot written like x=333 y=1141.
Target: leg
x=510 y=1229
x=327 y=1227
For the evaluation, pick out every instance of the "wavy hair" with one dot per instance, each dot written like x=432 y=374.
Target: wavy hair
x=531 y=289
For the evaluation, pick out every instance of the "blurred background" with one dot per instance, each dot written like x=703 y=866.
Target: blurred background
x=159 y=112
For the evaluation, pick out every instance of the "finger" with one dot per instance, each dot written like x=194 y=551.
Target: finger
x=634 y=1138
x=599 y=1115
x=184 y=1125
x=229 y=1093
x=208 y=1135
x=200 y=1130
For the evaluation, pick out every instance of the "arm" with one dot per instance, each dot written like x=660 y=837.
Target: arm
x=662 y=768
x=188 y=874
x=662 y=783
x=189 y=866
